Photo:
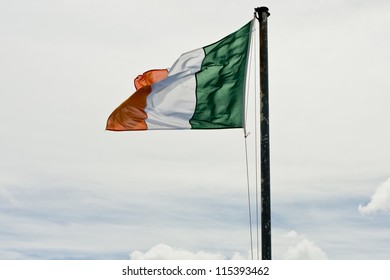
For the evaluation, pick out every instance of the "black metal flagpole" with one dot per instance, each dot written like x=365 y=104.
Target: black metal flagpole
x=262 y=15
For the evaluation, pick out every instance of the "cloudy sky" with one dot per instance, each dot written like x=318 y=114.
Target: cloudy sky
x=71 y=190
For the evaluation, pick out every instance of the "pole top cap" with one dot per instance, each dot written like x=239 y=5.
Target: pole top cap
x=260 y=10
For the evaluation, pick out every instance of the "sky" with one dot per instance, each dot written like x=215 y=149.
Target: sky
x=71 y=190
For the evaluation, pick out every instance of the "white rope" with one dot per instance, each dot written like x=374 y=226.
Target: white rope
x=249 y=196
x=246 y=134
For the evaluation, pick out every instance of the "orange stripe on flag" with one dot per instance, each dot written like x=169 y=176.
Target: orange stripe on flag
x=131 y=115
x=150 y=77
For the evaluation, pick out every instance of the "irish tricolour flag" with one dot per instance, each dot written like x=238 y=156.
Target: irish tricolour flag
x=204 y=89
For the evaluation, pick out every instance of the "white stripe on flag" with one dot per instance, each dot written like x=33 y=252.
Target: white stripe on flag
x=171 y=104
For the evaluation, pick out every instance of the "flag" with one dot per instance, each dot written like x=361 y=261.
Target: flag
x=204 y=89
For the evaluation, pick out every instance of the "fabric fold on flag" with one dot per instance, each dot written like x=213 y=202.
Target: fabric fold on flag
x=204 y=89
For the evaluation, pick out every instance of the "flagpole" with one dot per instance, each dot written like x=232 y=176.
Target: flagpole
x=262 y=15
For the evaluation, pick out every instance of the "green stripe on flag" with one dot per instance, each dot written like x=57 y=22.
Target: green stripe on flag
x=220 y=83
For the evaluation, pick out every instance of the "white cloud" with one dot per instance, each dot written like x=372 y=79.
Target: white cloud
x=299 y=248
x=303 y=249
x=380 y=200
x=165 y=252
